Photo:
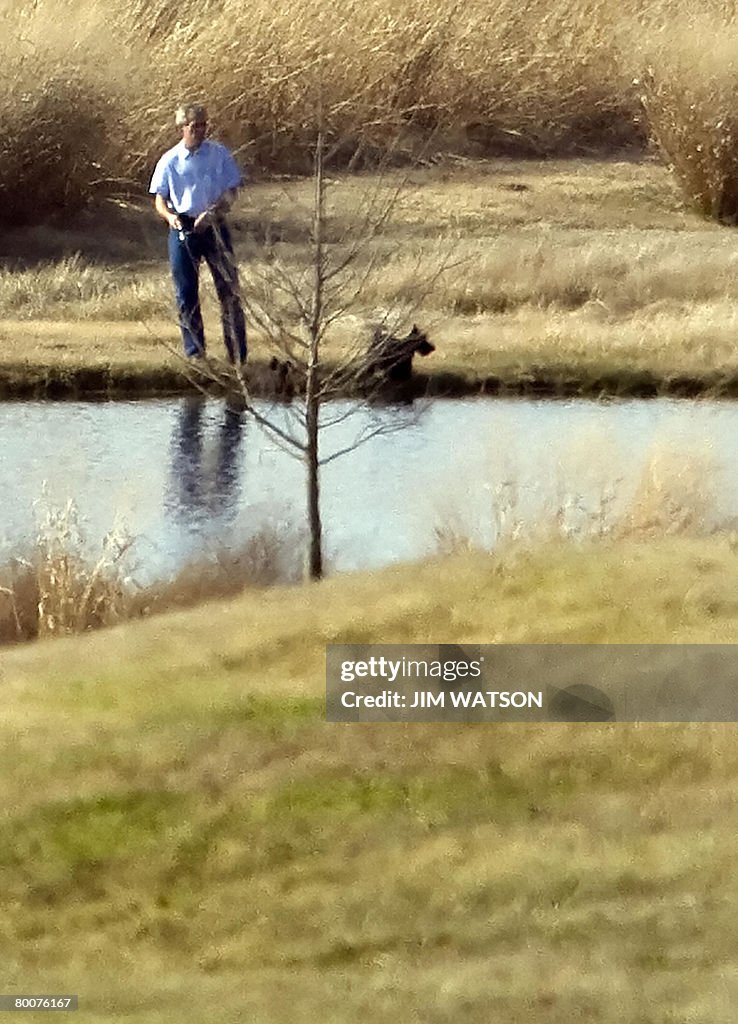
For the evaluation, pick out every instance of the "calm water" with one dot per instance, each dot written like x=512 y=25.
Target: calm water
x=185 y=476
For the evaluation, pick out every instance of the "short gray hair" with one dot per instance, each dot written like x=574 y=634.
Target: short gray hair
x=187 y=112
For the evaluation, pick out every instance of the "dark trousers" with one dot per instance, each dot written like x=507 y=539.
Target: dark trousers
x=187 y=249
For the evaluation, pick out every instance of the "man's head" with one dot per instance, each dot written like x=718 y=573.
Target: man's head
x=192 y=118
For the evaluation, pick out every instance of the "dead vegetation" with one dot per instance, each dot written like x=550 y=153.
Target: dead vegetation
x=65 y=586
x=88 y=88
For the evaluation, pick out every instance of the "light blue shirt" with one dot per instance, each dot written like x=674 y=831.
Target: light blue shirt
x=193 y=180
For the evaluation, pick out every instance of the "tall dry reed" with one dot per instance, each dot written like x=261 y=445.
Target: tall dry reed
x=63 y=586
x=675 y=494
x=66 y=88
x=688 y=89
x=88 y=86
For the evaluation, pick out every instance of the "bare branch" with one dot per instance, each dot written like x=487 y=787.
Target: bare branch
x=363 y=437
x=292 y=443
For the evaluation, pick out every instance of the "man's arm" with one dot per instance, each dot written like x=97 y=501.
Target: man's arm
x=166 y=214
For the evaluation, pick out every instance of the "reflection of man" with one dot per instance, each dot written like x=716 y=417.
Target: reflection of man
x=205 y=490
x=195 y=184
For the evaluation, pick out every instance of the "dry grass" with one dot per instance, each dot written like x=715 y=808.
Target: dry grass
x=76 y=288
x=675 y=495
x=62 y=587
x=515 y=234
x=688 y=85
x=88 y=85
x=574 y=267
x=66 y=83
x=270 y=557
x=565 y=268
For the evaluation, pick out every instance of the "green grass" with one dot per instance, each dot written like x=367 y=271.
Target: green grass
x=183 y=830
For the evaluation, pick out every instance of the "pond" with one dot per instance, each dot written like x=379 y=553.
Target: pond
x=186 y=475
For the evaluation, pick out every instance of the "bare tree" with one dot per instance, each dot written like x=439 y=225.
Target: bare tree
x=295 y=309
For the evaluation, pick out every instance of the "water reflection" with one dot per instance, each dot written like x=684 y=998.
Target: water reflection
x=187 y=477
x=205 y=471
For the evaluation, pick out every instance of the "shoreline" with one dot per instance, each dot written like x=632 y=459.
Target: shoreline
x=46 y=382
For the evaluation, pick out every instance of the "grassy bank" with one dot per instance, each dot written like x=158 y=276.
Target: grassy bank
x=558 y=277
x=182 y=830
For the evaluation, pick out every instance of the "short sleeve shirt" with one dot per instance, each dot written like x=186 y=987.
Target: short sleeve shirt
x=193 y=180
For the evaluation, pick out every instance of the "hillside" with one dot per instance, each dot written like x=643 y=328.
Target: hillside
x=186 y=837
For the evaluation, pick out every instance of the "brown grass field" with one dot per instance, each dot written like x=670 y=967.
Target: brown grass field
x=89 y=85
x=589 y=274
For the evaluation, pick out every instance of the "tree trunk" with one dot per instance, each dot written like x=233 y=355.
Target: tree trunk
x=315 y=551
x=312 y=383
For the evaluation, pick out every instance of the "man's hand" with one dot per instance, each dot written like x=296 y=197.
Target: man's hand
x=204 y=221
x=218 y=209
x=170 y=216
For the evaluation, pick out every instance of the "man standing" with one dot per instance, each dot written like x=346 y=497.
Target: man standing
x=195 y=184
